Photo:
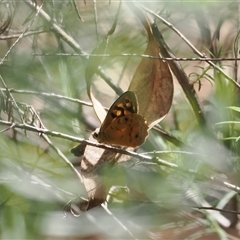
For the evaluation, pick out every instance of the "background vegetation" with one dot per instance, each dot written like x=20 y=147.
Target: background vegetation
x=44 y=52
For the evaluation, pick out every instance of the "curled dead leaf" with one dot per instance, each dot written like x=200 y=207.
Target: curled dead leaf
x=153 y=85
x=92 y=163
x=152 y=81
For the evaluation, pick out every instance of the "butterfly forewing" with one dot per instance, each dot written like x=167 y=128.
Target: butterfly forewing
x=126 y=104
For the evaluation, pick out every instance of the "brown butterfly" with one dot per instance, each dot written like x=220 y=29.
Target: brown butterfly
x=123 y=126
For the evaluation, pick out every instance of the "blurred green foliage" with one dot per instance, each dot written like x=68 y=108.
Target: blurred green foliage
x=159 y=201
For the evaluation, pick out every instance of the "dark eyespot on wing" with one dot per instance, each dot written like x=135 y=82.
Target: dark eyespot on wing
x=119 y=111
x=95 y=135
x=127 y=100
x=126 y=119
x=113 y=115
x=131 y=109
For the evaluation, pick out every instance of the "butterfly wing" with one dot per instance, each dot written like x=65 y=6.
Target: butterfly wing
x=130 y=130
x=123 y=126
x=126 y=104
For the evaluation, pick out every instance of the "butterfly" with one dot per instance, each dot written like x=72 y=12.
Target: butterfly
x=123 y=125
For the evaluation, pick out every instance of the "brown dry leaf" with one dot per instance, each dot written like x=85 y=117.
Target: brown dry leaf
x=153 y=85
x=93 y=161
x=91 y=69
x=152 y=81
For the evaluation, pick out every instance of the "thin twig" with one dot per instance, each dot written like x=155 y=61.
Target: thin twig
x=195 y=50
x=21 y=35
x=118 y=221
x=67 y=38
x=81 y=140
x=76 y=9
x=160 y=131
x=191 y=59
x=96 y=18
x=59 y=152
x=35 y=93
x=56 y=149
x=118 y=150
x=218 y=209
x=29 y=33
x=71 y=138
x=55 y=27
x=8 y=52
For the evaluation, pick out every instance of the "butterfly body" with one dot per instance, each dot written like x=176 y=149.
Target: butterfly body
x=123 y=126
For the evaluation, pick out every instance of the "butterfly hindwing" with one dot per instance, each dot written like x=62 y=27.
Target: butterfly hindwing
x=130 y=130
